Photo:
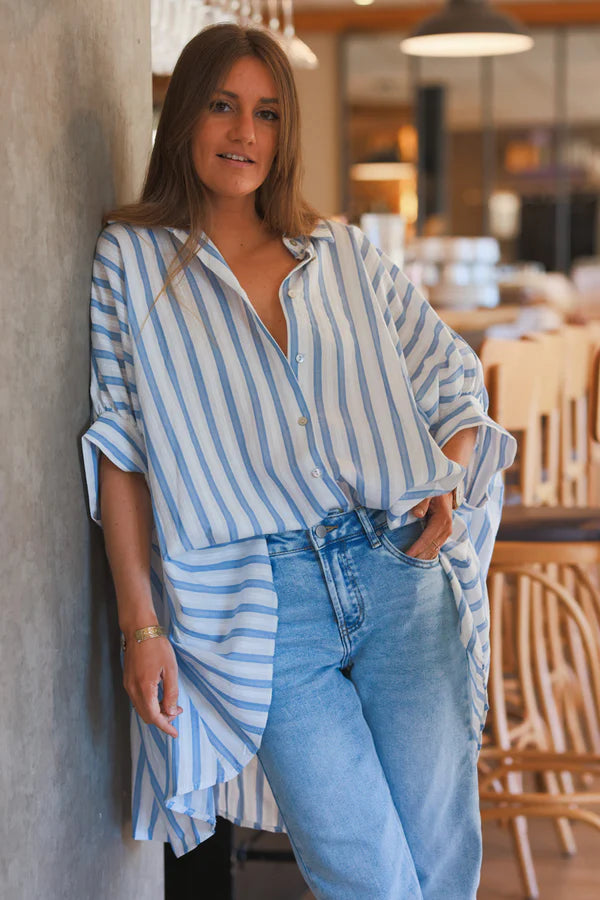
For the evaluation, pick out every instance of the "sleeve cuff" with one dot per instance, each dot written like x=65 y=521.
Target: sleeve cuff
x=118 y=437
x=494 y=450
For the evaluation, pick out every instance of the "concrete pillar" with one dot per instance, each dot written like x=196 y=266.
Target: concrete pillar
x=76 y=101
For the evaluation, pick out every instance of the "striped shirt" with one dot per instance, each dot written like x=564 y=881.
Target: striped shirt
x=237 y=440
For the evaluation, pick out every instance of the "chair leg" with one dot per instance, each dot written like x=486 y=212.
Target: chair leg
x=586 y=703
x=501 y=734
x=563 y=826
x=545 y=617
x=520 y=839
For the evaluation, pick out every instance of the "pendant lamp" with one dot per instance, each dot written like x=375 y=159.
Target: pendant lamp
x=467 y=28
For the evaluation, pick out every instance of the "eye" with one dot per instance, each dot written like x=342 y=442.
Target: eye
x=269 y=114
x=219 y=106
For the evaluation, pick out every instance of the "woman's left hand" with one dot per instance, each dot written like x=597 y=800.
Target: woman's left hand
x=439 y=509
x=438 y=528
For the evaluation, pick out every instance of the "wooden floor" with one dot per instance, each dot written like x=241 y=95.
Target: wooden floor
x=559 y=878
x=577 y=878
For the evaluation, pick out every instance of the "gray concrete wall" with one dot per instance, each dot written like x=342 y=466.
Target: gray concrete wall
x=76 y=102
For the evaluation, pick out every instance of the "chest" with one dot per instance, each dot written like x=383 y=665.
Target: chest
x=261 y=277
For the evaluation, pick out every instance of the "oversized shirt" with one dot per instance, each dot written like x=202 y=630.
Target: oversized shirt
x=236 y=440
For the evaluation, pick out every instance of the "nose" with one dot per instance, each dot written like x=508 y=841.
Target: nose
x=242 y=127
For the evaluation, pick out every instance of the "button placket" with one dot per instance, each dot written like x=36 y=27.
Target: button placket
x=293 y=291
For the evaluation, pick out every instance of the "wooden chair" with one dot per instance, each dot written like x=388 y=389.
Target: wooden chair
x=544 y=687
x=517 y=408
x=548 y=357
x=574 y=418
x=593 y=475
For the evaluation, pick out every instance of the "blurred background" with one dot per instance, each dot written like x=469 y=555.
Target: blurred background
x=480 y=174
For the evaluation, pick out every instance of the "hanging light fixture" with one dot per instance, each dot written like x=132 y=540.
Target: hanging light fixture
x=467 y=28
x=174 y=22
x=299 y=53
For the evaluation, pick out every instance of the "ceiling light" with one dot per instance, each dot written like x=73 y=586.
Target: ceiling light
x=467 y=28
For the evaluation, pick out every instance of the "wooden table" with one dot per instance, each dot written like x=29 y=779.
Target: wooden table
x=463 y=320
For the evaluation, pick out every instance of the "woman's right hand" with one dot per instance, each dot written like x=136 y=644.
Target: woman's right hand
x=144 y=666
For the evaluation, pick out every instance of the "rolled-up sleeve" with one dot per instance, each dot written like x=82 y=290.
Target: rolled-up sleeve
x=447 y=381
x=446 y=375
x=116 y=428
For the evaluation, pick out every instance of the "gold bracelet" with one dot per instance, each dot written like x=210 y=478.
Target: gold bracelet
x=143 y=634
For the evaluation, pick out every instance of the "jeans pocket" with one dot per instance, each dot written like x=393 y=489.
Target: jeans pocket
x=398 y=540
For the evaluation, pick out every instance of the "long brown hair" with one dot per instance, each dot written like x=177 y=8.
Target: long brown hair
x=173 y=194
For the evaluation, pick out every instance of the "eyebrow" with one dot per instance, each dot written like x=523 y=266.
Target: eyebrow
x=236 y=97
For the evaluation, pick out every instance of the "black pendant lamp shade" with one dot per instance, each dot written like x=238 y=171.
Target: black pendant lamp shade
x=467 y=28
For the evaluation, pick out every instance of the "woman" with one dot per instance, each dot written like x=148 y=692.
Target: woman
x=282 y=427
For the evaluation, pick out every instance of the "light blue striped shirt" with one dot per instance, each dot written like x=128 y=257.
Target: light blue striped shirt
x=237 y=441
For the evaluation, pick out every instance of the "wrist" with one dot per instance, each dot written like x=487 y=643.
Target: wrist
x=140 y=619
x=140 y=635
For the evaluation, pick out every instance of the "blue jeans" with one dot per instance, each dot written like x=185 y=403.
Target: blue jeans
x=368 y=748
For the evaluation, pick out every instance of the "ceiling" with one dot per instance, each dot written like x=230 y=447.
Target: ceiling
x=378 y=73
x=346 y=4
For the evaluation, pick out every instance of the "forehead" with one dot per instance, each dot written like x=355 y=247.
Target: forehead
x=250 y=75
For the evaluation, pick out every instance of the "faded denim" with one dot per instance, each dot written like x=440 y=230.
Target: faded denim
x=368 y=748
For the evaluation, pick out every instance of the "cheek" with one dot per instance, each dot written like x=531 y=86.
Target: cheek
x=197 y=152
x=202 y=140
x=272 y=143
x=199 y=163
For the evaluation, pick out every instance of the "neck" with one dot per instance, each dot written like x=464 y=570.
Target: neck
x=234 y=220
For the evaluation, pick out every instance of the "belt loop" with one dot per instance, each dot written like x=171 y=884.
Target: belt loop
x=367 y=525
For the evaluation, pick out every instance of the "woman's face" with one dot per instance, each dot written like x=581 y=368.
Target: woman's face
x=242 y=120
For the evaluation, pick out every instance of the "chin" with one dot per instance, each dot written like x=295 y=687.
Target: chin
x=231 y=192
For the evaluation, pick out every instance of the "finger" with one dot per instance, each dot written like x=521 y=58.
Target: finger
x=436 y=532
x=161 y=720
x=424 y=551
x=170 y=690
x=421 y=508
x=146 y=701
x=148 y=708
x=428 y=544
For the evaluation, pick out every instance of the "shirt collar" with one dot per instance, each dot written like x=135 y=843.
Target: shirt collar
x=298 y=246
x=323 y=230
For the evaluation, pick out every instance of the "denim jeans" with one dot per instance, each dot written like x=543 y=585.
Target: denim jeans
x=368 y=749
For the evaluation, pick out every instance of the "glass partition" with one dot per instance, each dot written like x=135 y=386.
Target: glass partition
x=521 y=155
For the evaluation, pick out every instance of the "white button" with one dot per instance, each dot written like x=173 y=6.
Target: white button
x=316 y=472
x=292 y=294
x=299 y=357
x=302 y=420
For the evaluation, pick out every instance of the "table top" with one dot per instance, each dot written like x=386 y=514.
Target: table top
x=463 y=320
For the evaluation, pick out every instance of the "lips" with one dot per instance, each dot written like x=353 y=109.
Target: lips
x=235 y=157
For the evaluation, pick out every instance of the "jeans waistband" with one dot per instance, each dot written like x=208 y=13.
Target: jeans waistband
x=337 y=525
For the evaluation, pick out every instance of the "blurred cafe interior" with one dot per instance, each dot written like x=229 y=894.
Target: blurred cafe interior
x=470 y=154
